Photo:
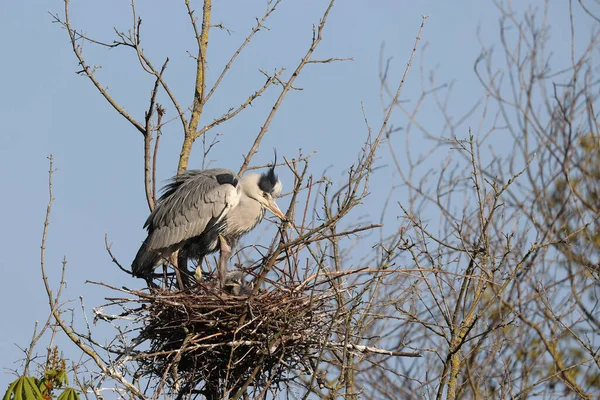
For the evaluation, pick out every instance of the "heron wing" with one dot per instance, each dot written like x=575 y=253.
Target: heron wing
x=191 y=203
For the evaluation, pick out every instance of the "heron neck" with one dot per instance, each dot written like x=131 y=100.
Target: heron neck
x=245 y=216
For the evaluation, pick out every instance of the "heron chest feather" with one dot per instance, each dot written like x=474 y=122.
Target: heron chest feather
x=243 y=218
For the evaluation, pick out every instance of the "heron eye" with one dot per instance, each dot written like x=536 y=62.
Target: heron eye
x=266 y=195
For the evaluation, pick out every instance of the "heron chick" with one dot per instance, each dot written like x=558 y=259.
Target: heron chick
x=236 y=285
x=200 y=212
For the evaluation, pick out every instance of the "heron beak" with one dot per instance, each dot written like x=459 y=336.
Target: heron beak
x=198 y=274
x=233 y=287
x=274 y=208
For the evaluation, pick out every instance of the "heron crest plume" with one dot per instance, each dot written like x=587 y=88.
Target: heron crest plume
x=269 y=182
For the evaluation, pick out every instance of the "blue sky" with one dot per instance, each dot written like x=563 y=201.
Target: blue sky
x=47 y=108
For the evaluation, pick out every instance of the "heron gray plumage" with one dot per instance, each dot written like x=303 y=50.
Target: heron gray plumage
x=236 y=285
x=200 y=212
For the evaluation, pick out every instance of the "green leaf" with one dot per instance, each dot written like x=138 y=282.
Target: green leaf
x=69 y=394
x=9 y=391
x=62 y=378
x=24 y=388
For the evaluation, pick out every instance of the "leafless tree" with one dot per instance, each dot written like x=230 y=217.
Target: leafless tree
x=483 y=282
x=498 y=251
x=303 y=326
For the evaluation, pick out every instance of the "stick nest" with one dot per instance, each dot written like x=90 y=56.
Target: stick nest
x=205 y=334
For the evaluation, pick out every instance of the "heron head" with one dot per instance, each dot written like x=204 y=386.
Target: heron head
x=236 y=285
x=265 y=189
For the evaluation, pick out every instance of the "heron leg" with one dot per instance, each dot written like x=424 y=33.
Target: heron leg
x=150 y=283
x=223 y=259
x=164 y=273
x=182 y=278
x=182 y=263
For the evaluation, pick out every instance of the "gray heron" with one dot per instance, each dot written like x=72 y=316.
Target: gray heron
x=200 y=212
